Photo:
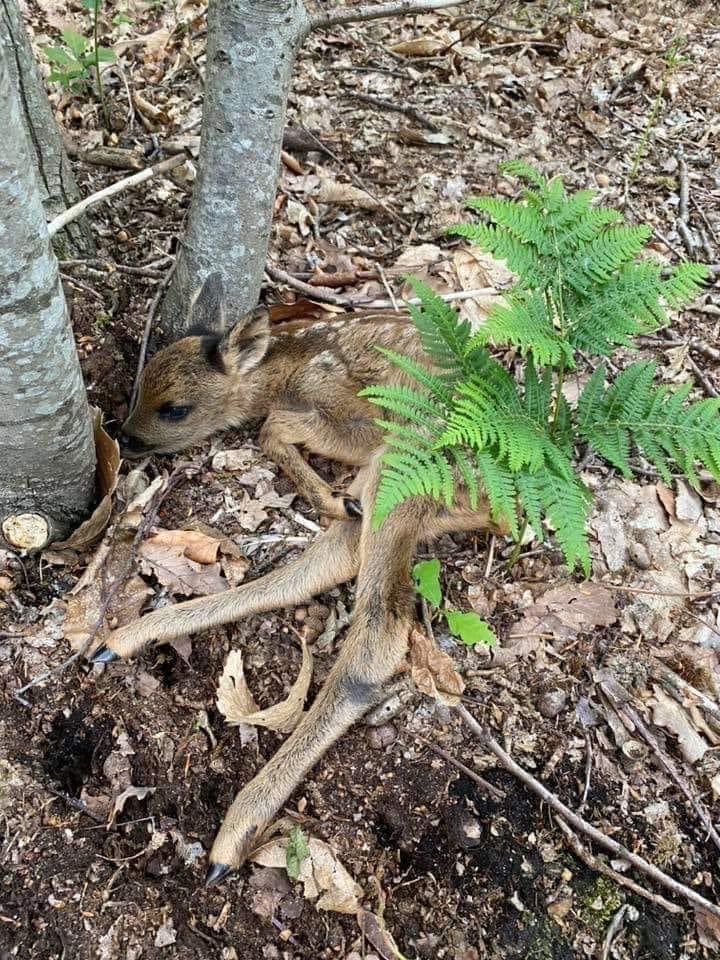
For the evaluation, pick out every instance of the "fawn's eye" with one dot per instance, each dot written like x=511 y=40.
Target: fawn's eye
x=174 y=411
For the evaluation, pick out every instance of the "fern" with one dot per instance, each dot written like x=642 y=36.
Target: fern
x=582 y=288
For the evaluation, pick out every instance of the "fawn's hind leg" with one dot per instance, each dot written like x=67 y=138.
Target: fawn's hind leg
x=331 y=559
x=373 y=650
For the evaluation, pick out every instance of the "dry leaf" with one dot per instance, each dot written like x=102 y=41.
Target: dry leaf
x=669 y=714
x=345 y=194
x=377 y=933
x=416 y=135
x=109 y=563
x=433 y=671
x=321 y=873
x=107 y=453
x=419 y=47
x=236 y=703
x=568 y=610
x=708 y=929
x=179 y=573
x=194 y=545
x=134 y=510
x=233 y=459
x=138 y=793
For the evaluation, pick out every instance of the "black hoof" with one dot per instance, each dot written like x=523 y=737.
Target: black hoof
x=216 y=873
x=353 y=508
x=104 y=654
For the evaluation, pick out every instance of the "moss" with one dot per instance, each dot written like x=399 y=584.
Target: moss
x=599 y=902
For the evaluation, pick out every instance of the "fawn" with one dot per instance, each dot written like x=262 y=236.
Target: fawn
x=303 y=378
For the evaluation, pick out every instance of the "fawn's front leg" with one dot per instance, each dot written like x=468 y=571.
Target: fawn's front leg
x=348 y=440
x=372 y=651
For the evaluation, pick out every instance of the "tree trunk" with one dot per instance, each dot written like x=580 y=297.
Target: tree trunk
x=58 y=189
x=251 y=51
x=47 y=454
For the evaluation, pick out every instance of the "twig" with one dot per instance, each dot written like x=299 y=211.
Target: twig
x=109 y=267
x=403 y=8
x=712 y=353
x=152 y=313
x=582 y=853
x=324 y=295
x=620 y=699
x=358 y=181
x=699 y=595
x=684 y=193
x=681 y=689
x=702 y=378
x=72 y=213
x=82 y=286
x=615 y=927
x=588 y=772
x=148 y=521
x=686 y=237
x=475 y=30
x=485 y=785
x=422 y=118
x=649 y=869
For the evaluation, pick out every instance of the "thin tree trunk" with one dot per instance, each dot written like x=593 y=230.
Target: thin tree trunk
x=56 y=182
x=251 y=51
x=47 y=455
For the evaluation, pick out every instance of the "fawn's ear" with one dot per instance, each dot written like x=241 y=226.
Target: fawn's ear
x=243 y=347
x=206 y=308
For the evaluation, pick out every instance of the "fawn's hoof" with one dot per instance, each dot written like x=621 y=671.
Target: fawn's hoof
x=104 y=654
x=216 y=873
x=351 y=506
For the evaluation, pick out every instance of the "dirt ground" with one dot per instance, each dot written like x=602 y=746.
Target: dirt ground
x=454 y=872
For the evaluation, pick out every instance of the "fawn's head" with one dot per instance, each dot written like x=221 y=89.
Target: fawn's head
x=201 y=384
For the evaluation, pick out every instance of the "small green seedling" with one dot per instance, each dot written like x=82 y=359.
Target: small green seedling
x=297 y=851
x=468 y=626
x=72 y=61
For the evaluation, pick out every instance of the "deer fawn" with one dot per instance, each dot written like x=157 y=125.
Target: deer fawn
x=303 y=379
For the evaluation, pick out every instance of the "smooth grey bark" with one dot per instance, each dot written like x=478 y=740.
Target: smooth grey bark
x=58 y=189
x=251 y=51
x=47 y=454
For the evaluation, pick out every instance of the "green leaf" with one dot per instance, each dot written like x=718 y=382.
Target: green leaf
x=426 y=575
x=105 y=55
x=297 y=851
x=60 y=56
x=75 y=41
x=470 y=628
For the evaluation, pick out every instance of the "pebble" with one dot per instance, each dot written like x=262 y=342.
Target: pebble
x=382 y=736
x=552 y=703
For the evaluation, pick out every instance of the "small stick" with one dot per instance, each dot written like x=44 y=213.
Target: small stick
x=72 y=213
x=149 y=320
x=588 y=772
x=582 y=853
x=702 y=378
x=686 y=237
x=422 y=118
x=712 y=353
x=681 y=688
x=403 y=8
x=615 y=928
x=485 y=785
x=579 y=823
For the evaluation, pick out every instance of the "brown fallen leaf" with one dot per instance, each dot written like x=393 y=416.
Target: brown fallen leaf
x=194 y=545
x=708 y=929
x=419 y=47
x=109 y=564
x=179 y=573
x=569 y=609
x=378 y=934
x=237 y=705
x=321 y=873
x=233 y=459
x=107 y=453
x=433 y=671
x=345 y=194
x=669 y=714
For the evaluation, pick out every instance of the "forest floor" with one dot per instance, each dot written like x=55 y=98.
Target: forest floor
x=113 y=780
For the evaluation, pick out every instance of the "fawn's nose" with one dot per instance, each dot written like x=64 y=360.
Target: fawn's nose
x=131 y=447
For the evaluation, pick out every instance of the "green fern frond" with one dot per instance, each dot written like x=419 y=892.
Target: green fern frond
x=567 y=504
x=684 y=284
x=414 y=406
x=596 y=262
x=411 y=474
x=657 y=420
x=520 y=258
x=499 y=486
x=526 y=322
x=442 y=333
x=436 y=387
x=538 y=393
x=524 y=171
x=523 y=222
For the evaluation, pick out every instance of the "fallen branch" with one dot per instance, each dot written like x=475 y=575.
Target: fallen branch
x=649 y=869
x=582 y=853
x=324 y=295
x=77 y=210
x=484 y=784
x=404 y=8
x=409 y=111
